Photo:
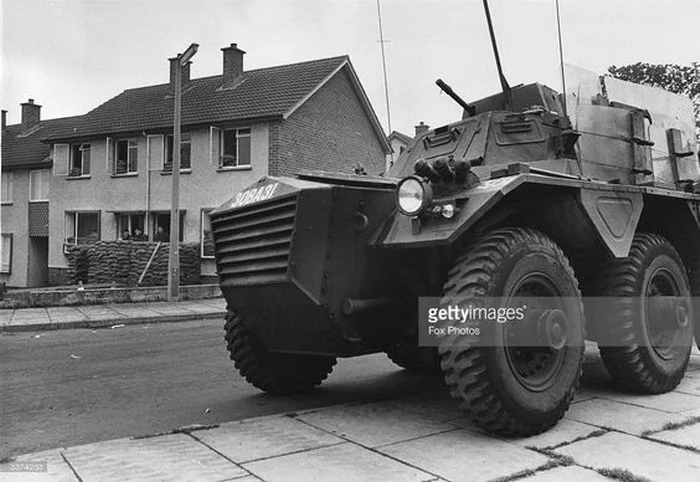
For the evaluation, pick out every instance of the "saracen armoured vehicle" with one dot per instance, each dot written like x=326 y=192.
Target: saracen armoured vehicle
x=515 y=200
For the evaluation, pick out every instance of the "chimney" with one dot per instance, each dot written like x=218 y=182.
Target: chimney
x=184 y=72
x=31 y=114
x=421 y=129
x=233 y=63
x=4 y=119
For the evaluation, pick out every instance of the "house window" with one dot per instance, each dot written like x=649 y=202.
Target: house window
x=82 y=227
x=130 y=222
x=235 y=148
x=185 y=153
x=6 y=248
x=163 y=220
x=39 y=185
x=126 y=157
x=6 y=187
x=207 y=236
x=79 y=160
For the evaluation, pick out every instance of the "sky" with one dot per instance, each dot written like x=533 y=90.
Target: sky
x=72 y=55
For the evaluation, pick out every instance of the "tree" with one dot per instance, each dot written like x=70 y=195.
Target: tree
x=679 y=79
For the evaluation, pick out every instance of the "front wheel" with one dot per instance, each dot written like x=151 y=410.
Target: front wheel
x=278 y=373
x=506 y=386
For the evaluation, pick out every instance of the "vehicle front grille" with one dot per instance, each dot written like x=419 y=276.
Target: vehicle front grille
x=253 y=243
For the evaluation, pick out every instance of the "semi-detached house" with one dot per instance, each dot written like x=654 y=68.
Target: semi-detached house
x=111 y=167
x=25 y=192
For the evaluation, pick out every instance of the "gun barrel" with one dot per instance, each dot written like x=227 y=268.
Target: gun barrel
x=448 y=90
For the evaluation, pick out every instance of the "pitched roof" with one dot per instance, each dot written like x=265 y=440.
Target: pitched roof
x=24 y=150
x=400 y=136
x=257 y=94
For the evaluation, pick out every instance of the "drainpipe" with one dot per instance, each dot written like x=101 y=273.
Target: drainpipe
x=147 y=221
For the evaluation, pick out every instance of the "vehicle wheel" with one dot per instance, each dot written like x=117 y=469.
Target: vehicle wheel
x=414 y=358
x=695 y=291
x=645 y=331
x=278 y=373
x=506 y=386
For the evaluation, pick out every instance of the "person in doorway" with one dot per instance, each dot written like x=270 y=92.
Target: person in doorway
x=138 y=235
x=161 y=235
x=126 y=236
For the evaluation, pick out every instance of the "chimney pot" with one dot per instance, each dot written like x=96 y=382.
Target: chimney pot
x=31 y=114
x=233 y=64
x=4 y=119
x=421 y=129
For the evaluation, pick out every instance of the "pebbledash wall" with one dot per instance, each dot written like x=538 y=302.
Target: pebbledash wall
x=14 y=223
x=305 y=141
x=204 y=186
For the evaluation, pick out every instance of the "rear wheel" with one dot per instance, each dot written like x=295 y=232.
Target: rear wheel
x=695 y=291
x=278 y=373
x=645 y=330
x=505 y=385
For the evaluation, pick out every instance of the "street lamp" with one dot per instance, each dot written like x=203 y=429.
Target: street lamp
x=174 y=257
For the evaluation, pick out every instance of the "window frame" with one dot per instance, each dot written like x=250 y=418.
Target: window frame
x=185 y=140
x=154 y=224
x=132 y=144
x=204 y=212
x=222 y=155
x=80 y=148
x=7 y=199
x=120 y=216
x=42 y=172
x=76 y=223
x=9 y=236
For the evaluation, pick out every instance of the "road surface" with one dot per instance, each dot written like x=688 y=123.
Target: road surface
x=65 y=388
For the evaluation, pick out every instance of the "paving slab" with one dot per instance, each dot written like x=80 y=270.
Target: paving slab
x=135 y=312
x=264 y=438
x=346 y=462
x=167 y=457
x=566 y=431
x=688 y=436
x=643 y=458
x=621 y=416
x=374 y=424
x=557 y=474
x=39 y=467
x=462 y=455
x=29 y=321
x=689 y=385
x=672 y=402
x=435 y=406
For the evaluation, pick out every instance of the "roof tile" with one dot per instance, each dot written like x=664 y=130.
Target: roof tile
x=24 y=149
x=262 y=93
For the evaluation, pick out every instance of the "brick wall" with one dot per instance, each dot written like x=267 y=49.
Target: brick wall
x=331 y=131
x=274 y=148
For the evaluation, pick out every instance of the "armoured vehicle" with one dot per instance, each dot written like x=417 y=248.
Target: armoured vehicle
x=518 y=198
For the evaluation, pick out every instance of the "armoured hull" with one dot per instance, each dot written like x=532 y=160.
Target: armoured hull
x=291 y=252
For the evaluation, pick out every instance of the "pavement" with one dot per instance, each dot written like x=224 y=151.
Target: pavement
x=108 y=315
x=606 y=435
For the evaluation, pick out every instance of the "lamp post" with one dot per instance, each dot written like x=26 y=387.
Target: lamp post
x=174 y=257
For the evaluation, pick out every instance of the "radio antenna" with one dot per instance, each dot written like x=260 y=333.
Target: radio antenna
x=386 y=82
x=504 y=83
x=561 y=61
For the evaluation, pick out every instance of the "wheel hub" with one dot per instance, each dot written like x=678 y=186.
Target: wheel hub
x=552 y=329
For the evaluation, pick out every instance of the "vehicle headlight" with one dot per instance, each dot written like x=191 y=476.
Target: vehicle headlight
x=413 y=195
